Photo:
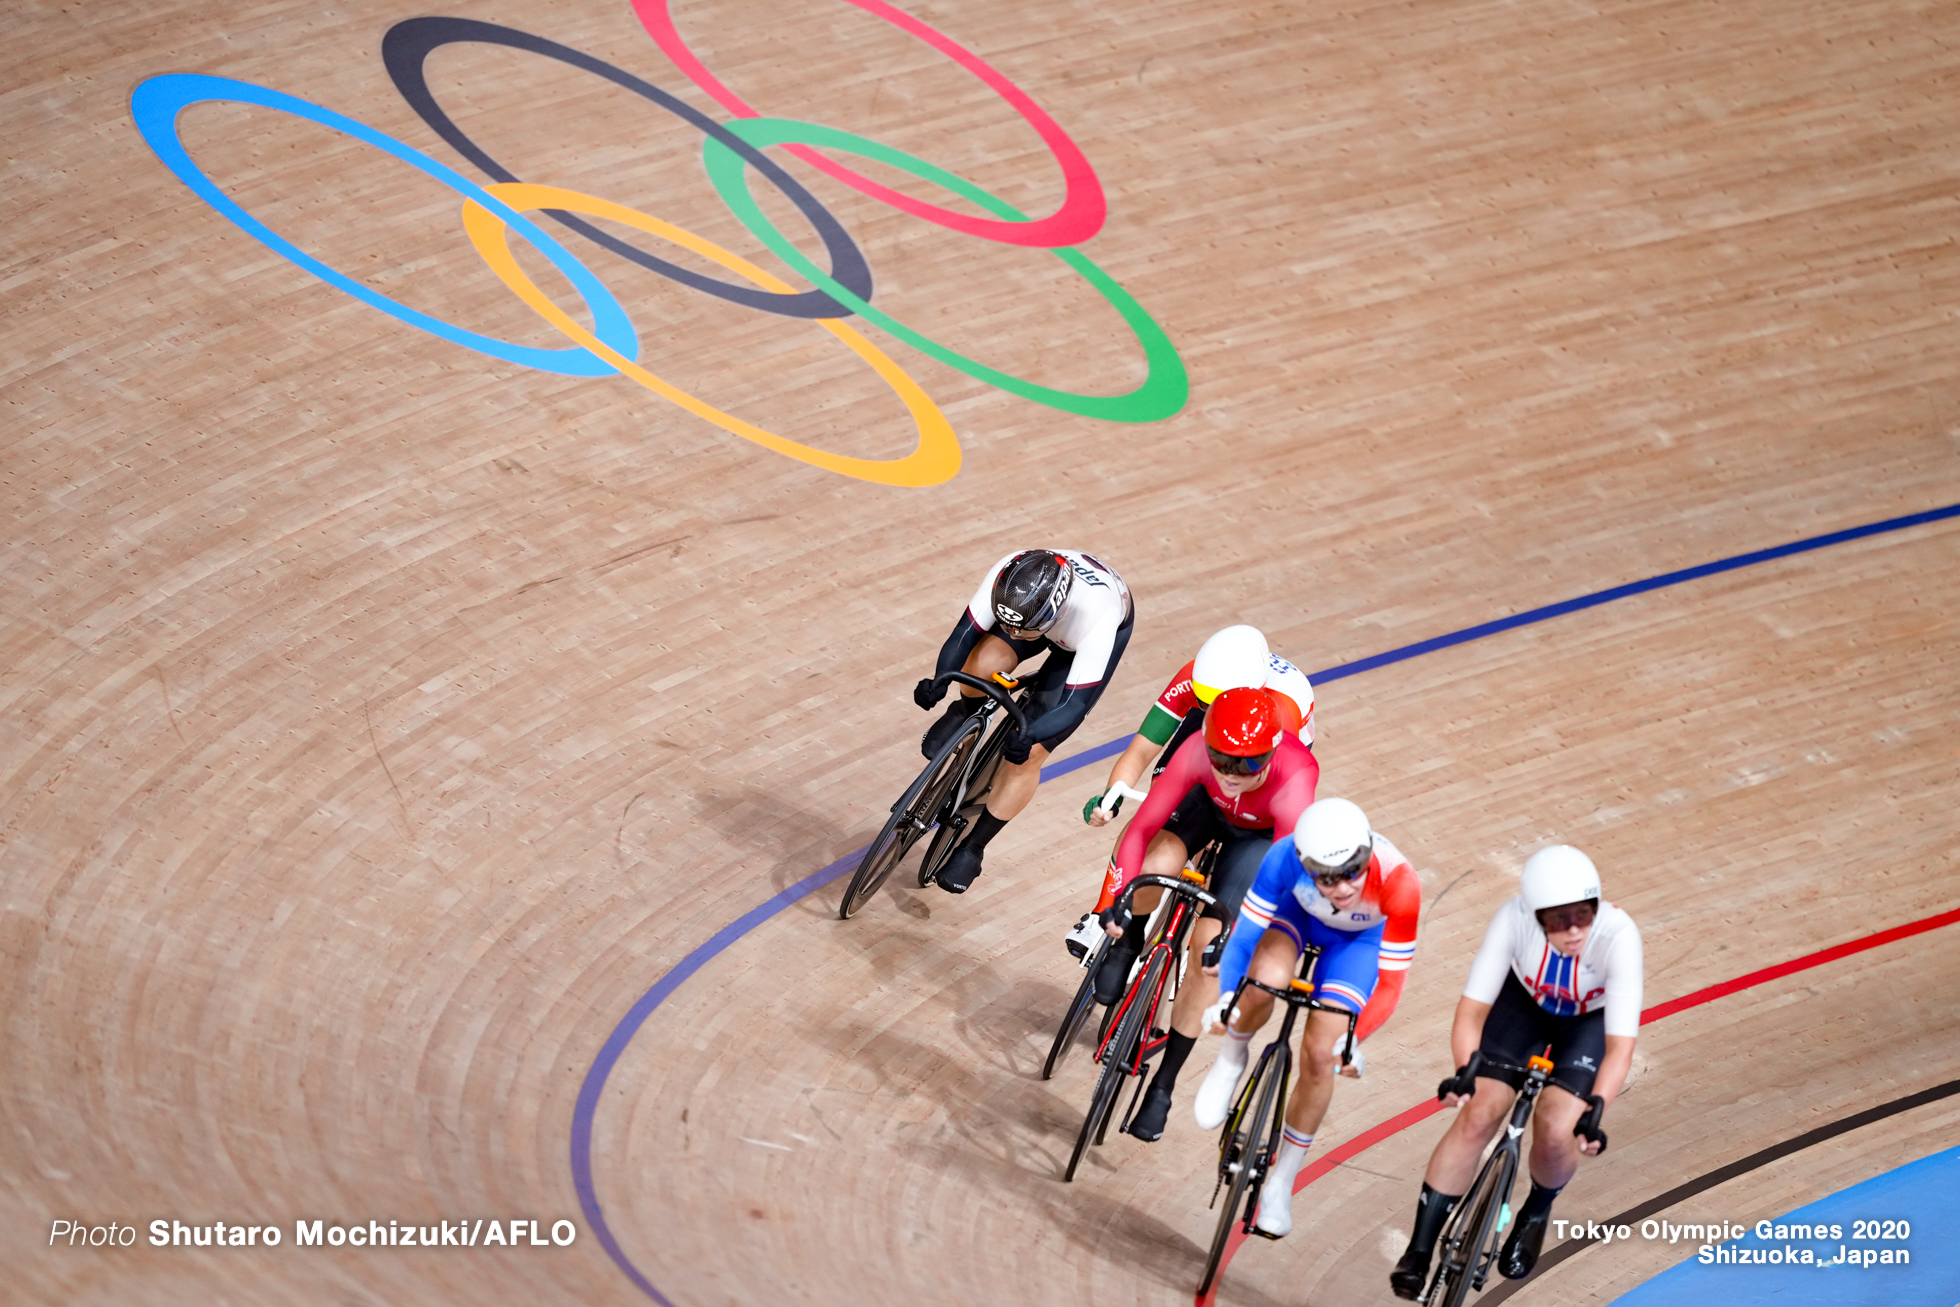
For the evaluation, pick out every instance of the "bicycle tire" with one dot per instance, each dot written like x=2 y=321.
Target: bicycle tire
x=978 y=783
x=903 y=828
x=1136 y=1027
x=1078 y=1012
x=1246 y=1131
x=1109 y=1083
x=1474 y=1214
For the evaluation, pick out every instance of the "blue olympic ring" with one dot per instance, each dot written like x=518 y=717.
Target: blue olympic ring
x=155 y=106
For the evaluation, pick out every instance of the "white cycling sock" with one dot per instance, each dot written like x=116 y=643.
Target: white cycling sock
x=1292 y=1156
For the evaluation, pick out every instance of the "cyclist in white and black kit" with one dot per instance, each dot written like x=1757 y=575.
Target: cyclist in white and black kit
x=1559 y=966
x=1070 y=604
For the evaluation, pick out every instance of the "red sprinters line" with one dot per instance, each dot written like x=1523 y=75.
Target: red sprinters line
x=1722 y=989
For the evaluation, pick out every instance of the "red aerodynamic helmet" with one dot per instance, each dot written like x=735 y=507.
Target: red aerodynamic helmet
x=1242 y=728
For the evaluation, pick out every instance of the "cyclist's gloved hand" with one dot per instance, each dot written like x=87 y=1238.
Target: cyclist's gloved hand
x=1212 y=1019
x=1116 y=918
x=1358 y=1061
x=928 y=693
x=1017 y=748
x=1464 y=1082
x=1588 y=1127
x=1094 y=806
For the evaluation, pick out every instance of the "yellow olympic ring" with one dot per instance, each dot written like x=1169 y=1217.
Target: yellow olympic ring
x=934 y=461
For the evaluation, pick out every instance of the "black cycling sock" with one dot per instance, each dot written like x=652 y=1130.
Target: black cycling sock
x=1432 y=1209
x=1133 y=933
x=1176 y=1049
x=1540 y=1201
x=985 y=827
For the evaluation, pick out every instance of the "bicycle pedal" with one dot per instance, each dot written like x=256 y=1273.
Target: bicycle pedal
x=1253 y=1229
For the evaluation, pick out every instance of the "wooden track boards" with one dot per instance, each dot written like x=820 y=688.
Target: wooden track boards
x=384 y=720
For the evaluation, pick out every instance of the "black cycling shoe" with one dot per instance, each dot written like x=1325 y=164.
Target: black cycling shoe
x=1152 y=1112
x=1520 y=1252
x=960 y=871
x=948 y=725
x=1410 y=1274
x=1114 y=973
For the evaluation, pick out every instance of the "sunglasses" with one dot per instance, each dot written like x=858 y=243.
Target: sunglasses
x=1231 y=765
x=1555 y=920
x=1329 y=879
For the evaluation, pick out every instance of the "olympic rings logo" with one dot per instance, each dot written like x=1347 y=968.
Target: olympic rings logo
x=731 y=151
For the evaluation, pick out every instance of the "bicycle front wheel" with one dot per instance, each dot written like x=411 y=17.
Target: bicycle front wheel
x=1116 y=1055
x=1077 y=1014
x=911 y=815
x=1245 y=1134
x=1469 y=1230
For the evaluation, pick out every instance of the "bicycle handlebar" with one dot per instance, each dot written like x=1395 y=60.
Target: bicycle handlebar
x=1172 y=883
x=994 y=690
x=1117 y=792
x=1295 y=997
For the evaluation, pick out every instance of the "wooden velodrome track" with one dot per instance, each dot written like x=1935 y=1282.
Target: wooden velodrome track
x=384 y=720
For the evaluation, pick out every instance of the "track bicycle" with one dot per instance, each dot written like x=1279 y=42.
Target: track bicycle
x=947 y=795
x=1132 y=1036
x=1251 y=1136
x=1470 y=1241
x=1076 y=1015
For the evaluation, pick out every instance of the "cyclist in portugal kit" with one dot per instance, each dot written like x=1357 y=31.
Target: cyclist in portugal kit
x=1344 y=888
x=1562 y=967
x=1071 y=605
x=1242 y=781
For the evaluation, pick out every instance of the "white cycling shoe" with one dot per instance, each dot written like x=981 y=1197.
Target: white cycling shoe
x=1082 y=940
x=1275 y=1215
x=1221 y=1084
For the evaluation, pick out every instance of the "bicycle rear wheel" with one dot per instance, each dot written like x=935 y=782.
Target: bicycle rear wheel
x=978 y=785
x=911 y=815
x=1116 y=1056
x=1468 y=1231
x=1077 y=1014
x=1245 y=1132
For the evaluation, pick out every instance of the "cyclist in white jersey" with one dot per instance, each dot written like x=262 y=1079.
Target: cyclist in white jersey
x=1559 y=966
x=1068 y=603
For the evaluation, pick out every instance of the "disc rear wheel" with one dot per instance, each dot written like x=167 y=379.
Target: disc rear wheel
x=911 y=816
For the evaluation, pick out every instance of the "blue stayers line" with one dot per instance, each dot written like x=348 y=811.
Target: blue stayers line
x=629 y=1025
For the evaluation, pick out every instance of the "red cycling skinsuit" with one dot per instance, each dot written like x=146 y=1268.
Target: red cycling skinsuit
x=1273 y=809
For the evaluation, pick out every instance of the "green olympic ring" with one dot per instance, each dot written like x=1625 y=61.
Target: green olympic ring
x=1165 y=386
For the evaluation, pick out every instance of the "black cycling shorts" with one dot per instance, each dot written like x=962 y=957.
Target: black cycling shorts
x=1517 y=1028
x=1196 y=822
x=1052 y=677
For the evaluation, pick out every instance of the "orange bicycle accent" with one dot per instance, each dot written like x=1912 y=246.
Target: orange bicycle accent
x=1302 y=986
x=1007 y=681
x=1539 y=1062
x=1193 y=875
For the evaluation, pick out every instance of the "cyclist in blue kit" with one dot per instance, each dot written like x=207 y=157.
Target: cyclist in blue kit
x=1070 y=604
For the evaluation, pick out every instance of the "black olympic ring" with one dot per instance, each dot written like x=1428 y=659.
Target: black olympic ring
x=409 y=43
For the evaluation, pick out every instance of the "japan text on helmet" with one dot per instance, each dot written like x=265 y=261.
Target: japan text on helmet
x=1233 y=657
x=1558 y=875
x=1242 y=722
x=1333 y=836
x=1031 y=589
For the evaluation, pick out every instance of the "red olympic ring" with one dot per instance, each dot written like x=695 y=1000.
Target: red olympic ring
x=1083 y=207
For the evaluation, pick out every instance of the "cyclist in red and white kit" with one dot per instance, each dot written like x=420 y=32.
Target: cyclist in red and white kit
x=1071 y=605
x=1231 y=659
x=1242 y=782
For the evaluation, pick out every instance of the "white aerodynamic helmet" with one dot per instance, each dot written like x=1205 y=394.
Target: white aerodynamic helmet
x=1333 y=835
x=1234 y=657
x=1558 y=875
